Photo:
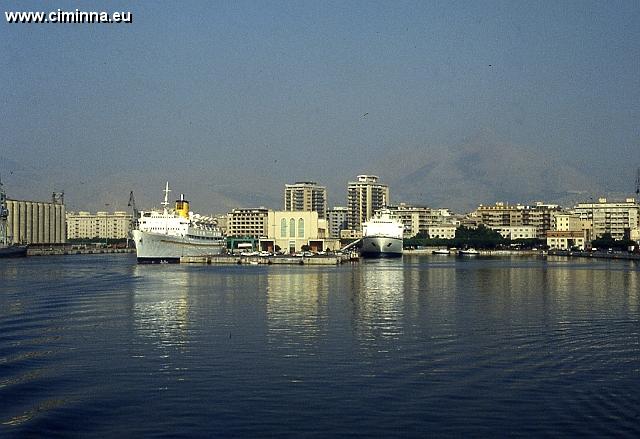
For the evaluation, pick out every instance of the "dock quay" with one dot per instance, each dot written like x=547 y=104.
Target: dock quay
x=269 y=260
x=68 y=249
x=595 y=254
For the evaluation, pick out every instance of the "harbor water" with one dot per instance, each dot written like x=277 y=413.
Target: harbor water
x=97 y=346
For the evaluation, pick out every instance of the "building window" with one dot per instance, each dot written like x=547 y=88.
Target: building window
x=301 y=227
x=283 y=227
x=292 y=228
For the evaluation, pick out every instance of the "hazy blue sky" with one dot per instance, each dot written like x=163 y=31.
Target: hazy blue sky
x=230 y=100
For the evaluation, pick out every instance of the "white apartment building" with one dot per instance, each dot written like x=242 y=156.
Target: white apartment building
x=566 y=240
x=364 y=197
x=620 y=219
x=420 y=219
x=441 y=232
x=566 y=221
x=504 y=215
x=102 y=225
x=517 y=232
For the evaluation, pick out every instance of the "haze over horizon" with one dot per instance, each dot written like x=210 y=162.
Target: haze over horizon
x=451 y=103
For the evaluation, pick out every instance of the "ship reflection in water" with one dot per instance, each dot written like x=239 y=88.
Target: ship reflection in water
x=378 y=296
x=161 y=305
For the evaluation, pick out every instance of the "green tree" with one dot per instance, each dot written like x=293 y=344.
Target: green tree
x=607 y=241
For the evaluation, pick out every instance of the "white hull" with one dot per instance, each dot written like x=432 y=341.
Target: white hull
x=160 y=248
x=381 y=246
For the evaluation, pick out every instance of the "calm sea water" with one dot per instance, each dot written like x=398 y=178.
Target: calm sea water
x=97 y=346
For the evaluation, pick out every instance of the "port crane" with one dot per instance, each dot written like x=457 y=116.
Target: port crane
x=134 y=211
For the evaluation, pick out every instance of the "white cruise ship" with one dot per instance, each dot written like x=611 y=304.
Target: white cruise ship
x=382 y=235
x=165 y=236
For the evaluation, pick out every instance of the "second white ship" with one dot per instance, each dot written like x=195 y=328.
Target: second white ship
x=164 y=236
x=382 y=236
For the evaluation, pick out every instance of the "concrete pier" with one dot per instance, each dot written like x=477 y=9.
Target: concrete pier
x=68 y=249
x=596 y=254
x=266 y=260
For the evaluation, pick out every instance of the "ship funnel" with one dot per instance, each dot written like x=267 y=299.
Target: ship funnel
x=182 y=207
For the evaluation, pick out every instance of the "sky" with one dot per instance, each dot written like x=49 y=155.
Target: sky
x=228 y=101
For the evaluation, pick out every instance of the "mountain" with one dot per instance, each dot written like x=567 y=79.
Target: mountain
x=481 y=170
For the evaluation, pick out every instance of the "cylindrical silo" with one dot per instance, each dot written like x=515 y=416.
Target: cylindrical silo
x=47 y=218
x=13 y=221
x=28 y=205
x=58 y=223
x=63 y=224
x=52 y=223
x=40 y=223
x=22 y=235
x=35 y=219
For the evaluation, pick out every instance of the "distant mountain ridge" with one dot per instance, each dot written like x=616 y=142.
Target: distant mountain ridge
x=481 y=170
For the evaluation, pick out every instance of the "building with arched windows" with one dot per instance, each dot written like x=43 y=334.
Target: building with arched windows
x=290 y=231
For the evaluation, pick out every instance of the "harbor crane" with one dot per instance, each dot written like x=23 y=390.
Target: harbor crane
x=134 y=211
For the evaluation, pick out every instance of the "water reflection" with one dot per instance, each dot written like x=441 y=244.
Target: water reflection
x=378 y=296
x=592 y=286
x=429 y=290
x=160 y=304
x=536 y=347
x=296 y=306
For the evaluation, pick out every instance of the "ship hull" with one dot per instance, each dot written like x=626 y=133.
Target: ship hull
x=13 y=251
x=381 y=246
x=153 y=248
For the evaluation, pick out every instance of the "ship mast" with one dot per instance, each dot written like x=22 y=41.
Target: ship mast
x=165 y=203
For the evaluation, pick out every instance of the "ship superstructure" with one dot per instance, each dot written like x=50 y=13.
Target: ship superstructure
x=164 y=236
x=382 y=235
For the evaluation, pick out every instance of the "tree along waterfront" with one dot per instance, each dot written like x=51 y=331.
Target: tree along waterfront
x=606 y=241
x=482 y=238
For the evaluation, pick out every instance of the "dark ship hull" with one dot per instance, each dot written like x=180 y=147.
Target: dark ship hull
x=13 y=251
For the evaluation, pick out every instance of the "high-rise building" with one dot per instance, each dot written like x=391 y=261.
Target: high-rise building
x=306 y=196
x=337 y=219
x=620 y=219
x=364 y=197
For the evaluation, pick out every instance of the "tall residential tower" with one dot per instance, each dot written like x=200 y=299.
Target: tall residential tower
x=306 y=196
x=364 y=197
